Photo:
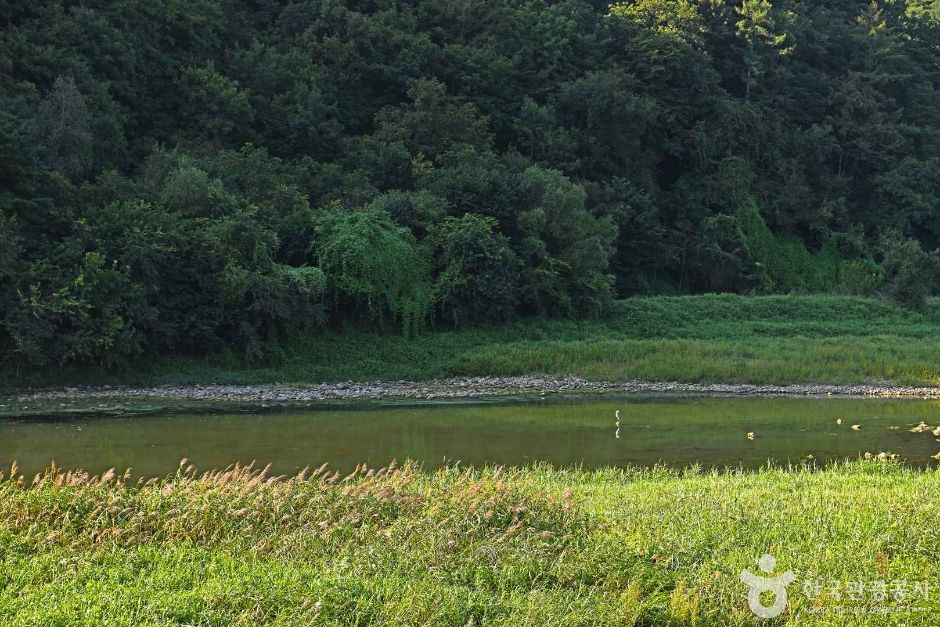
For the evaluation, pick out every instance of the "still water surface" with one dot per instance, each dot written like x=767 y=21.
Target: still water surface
x=674 y=431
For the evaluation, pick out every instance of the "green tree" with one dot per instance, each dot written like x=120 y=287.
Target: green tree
x=909 y=197
x=431 y=124
x=76 y=307
x=216 y=107
x=566 y=248
x=421 y=212
x=66 y=135
x=678 y=19
x=374 y=268
x=757 y=28
x=479 y=273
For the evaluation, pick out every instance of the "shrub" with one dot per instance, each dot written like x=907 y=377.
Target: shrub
x=84 y=314
x=860 y=277
x=910 y=272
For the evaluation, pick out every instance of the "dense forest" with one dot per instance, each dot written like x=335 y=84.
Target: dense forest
x=187 y=175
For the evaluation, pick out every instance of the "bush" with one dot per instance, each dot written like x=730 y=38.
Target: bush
x=860 y=277
x=910 y=272
x=785 y=264
x=88 y=315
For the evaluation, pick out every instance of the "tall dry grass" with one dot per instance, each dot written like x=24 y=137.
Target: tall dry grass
x=395 y=545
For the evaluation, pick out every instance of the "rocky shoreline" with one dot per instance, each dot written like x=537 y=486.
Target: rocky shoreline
x=467 y=388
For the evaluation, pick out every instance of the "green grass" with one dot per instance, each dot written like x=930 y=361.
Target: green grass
x=776 y=339
x=464 y=547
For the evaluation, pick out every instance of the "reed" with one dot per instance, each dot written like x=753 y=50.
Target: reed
x=459 y=546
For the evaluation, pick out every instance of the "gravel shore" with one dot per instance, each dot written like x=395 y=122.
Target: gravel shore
x=467 y=388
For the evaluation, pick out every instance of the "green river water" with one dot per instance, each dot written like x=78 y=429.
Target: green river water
x=711 y=432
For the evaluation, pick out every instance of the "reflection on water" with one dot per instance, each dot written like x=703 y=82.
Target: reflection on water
x=679 y=431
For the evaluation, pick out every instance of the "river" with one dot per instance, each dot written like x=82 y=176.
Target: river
x=676 y=431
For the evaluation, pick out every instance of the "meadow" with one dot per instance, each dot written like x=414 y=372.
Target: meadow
x=712 y=338
x=493 y=546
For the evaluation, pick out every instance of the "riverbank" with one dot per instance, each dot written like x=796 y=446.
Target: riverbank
x=466 y=388
x=125 y=401
x=701 y=340
x=470 y=547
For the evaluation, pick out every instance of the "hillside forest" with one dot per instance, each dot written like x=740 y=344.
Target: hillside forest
x=194 y=175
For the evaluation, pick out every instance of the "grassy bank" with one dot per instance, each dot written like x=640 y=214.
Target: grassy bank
x=734 y=339
x=458 y=547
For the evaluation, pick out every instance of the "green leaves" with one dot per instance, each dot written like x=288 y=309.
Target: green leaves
x=431 y=125
x=910 y=272
x=79 y=307
x=678 y=19
x=374 y=267
x=217 y=108
x=478 y=271
x=568 y=246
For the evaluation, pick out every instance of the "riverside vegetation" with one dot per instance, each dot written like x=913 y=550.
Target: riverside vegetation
x=466 y=546
x=708 y=339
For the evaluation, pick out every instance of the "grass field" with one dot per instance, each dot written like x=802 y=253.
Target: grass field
x=468 y=547
x=734 y=339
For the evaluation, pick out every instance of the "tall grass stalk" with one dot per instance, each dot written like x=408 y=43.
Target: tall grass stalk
x=496 y=546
